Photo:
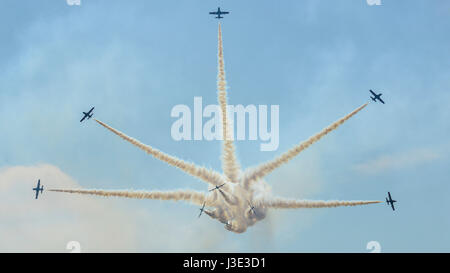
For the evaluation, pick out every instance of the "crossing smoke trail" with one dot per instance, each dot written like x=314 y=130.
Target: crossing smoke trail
x=230 y=163
x=209 y=176
x=194 y=197
x=246 y=200
x=264 y=169
x=284 y=203
x=229 y=199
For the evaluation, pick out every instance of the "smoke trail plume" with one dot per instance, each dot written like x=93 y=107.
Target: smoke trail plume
x=264 y=169
x=194 y=197
x=230 y=163
x=241 y=203
x=229 y=199
x=284 y=203
x=209 y=176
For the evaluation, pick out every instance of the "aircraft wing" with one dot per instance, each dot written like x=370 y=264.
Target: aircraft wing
x=225 y=12
x=82 y=119
x=392 y=205
x=390 y=198
x=214 y=12
x=373 y=93
x=381 y=100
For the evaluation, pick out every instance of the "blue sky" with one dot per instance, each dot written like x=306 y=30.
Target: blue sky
x=316 y=59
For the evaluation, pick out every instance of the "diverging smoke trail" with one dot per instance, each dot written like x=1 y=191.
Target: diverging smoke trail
x=283 y=203
x=181 y=195
x=230 y=163
x=264 y=169
x=209 y=176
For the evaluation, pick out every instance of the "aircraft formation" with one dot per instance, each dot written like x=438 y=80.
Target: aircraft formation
x=230 y=190
x=40 y=188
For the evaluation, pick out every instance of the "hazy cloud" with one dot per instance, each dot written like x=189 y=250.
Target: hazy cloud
x=396 y=161
x=49 y=223
x=99 y=224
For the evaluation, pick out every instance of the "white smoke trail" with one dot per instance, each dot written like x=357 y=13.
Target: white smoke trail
x=230 y=163
x=284 y=203
x=207 y=175
x=194 y=197
x=238 y=206
x=259 y=172
x=230 y=199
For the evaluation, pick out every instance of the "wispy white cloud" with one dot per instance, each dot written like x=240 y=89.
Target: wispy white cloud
x=397 y=161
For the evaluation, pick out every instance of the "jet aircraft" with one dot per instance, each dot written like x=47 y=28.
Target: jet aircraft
x=88 y=115
x=390 y=201
x=38 y=188
x=218 y=13
x=376 y=96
